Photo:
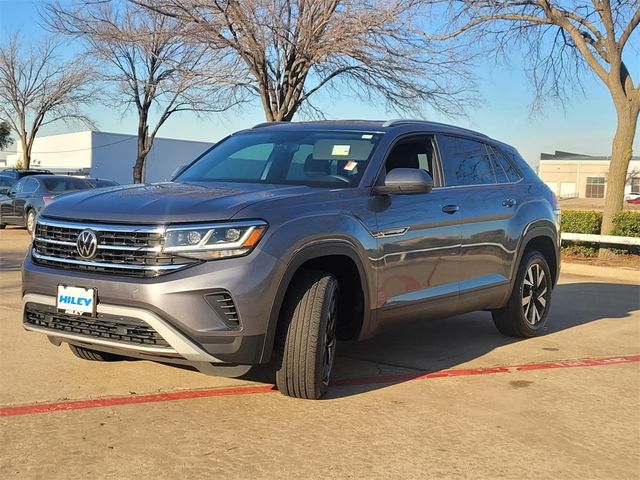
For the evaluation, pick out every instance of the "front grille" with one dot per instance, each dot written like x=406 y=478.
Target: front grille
x=125 y=250
x=107 y=327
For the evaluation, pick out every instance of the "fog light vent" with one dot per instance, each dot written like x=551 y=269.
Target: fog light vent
x=223 y=304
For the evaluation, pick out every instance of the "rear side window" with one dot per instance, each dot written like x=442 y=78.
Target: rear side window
x=465 y=162
x=505 y=171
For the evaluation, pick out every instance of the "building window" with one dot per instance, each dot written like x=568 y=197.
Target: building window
x=595 y=187
x=635 y=185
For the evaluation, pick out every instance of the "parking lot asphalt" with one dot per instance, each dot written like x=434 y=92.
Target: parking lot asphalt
x=448 y=398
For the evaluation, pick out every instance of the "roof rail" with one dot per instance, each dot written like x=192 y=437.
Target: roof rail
x=397 y=121
x=401 y=121
x=266 y=124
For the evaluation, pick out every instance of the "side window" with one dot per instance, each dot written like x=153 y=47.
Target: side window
x=413 y=153
x=506 y=163
x=17 y=187
x=465 y=162
x=30 y=185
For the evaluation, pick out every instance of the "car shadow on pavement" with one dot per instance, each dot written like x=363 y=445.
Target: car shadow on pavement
x=410 y=350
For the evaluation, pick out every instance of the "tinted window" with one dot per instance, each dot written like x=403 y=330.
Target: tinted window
x=315 y=158
x=503 y=164
x=30 y=185
x=6 y=181
x=413 y=153
x=64 y=184
x=465 y=162
x=17 y=187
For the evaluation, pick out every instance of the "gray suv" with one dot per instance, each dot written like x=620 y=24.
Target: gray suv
x=286 y=237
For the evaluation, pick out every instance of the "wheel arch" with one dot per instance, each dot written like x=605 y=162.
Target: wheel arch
x=339 y=257
x=544 y=238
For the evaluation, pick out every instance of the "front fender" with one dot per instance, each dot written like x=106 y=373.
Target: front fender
x=349 y=238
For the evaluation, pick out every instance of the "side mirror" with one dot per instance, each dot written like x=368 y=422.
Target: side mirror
x=178 y=171
x=11 y=193
x=405 y=181
x=4 y=190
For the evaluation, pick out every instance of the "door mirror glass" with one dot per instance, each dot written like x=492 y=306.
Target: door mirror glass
x=406 y=181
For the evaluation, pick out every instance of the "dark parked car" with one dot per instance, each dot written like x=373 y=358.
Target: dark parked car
x=101 y=182
x=5 y=184
x=283 y=238
x=30 y=194
x=18 y=173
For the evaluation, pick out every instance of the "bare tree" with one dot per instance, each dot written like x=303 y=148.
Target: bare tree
x=565 y=38
x=37 y=88
x=147 y=61
x=5 y=134
x=290 y=49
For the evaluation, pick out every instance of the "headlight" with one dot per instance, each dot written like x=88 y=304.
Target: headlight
x=208 y=242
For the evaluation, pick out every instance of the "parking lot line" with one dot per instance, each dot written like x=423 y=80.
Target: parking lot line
x=10 y=411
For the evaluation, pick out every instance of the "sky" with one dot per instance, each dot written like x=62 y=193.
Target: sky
x=584 y=124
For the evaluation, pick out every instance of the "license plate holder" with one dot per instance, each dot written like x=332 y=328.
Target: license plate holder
x=76 y=300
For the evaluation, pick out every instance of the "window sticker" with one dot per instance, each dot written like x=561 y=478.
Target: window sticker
x=340 y=150
x=367 y=136
x=350 y=165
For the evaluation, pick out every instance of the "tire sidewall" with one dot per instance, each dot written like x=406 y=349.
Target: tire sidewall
x=332 y=289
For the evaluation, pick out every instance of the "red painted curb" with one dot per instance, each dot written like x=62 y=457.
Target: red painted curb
x=12 y=411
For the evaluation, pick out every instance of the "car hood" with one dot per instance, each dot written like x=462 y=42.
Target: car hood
x=161 y=203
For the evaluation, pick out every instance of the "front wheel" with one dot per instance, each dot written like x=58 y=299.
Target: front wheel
x=31 y=221
x=526 y=312
x=307 y=342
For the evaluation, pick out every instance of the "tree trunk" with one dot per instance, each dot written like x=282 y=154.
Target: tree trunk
x=138 y=168
x=620 y=156
x=143 y=148
x=26 y=153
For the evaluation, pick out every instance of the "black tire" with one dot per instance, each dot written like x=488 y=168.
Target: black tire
x=93 y=355
x=518 y=318
x=30 y=219
x=2 y=226
x=307 y=338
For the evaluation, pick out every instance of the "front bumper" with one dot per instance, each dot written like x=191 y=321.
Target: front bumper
x=174 y=305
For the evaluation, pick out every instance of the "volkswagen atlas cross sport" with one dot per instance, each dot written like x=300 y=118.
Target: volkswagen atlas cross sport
x=286 y=237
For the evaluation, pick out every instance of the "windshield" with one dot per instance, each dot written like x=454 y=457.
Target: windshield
x=314 y=158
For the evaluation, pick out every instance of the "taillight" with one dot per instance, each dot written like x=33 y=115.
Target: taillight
x=47 y=199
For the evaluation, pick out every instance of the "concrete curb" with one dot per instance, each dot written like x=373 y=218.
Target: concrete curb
x=625 y=274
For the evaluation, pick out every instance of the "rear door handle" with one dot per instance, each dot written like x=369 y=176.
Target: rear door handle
x=450 y=209
x=509 y=202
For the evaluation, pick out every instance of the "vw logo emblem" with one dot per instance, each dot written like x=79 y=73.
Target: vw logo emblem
x=87 y=244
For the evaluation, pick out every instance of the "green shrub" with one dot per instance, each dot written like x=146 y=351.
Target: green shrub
x=581 y=221
x=626 y=224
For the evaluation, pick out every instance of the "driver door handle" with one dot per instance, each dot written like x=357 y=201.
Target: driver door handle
x=450 y=209
x=509 y=202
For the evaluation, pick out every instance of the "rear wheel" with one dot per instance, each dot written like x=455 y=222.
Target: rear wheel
x=307 y=342
x=31 y=221
x=526 y=312
x=93 y=355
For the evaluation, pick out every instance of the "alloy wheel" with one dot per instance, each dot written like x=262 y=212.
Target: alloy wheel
x=535 y=293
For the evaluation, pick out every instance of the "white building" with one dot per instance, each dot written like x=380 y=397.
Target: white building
x=109 y=155
x=572 y=175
